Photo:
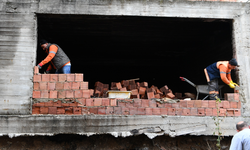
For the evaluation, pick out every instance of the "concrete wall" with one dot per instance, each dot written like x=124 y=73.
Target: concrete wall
x=18 y=40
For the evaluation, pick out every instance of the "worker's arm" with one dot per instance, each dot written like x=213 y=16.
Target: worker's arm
x=52 y=52
x=226 y=78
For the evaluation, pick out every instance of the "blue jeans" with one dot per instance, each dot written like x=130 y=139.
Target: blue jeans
x=64 y=70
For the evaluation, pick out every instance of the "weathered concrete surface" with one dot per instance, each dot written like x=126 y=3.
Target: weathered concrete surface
x=124 y=126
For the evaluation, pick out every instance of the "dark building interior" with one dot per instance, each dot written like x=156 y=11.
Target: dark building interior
x=157 y=50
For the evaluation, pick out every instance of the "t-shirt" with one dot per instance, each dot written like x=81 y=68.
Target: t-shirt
x=241 y=140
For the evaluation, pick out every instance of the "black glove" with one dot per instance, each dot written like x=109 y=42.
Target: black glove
x=39 y=66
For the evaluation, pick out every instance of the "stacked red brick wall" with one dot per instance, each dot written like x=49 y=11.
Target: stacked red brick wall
x=68 y=94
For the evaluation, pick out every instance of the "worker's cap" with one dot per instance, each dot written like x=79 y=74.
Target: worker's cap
x=233 y=62
x=42 y=41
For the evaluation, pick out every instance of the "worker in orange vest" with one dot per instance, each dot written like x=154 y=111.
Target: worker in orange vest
x=220 y=69
x=59 y=60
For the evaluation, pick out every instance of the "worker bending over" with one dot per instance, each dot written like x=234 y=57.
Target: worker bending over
x=59 y=60
x=220 y=69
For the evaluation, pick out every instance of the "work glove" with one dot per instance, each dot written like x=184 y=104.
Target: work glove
x=47 y=71
x=40 y=66
x=235 y=84
x=231 y=85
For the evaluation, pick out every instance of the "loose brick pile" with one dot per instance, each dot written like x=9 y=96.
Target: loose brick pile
x=68 y=94
x=139 y=90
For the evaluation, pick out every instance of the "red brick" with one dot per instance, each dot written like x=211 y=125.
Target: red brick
x=178 y=111
x=59 y=86
x=212 y=104
x=149 y=111
x=97 y=101
x=204 y=104
x=36 y=94
x=53 y=77
x=65 y=104
x=51 y=85
x=175 y=105
x=230 y=112
x=91 y=92
x=209 y=111
x=77 y=110
x=105 y=102
x=52 y=110
x=43 y=85
x=222 y=112
x=157 y=96
x=60 y=111
x=70 y=77
x=201 y=112
x=78 y=93
x=101 y=111
x=69 y=110
x=82 y=102
x=133 y=111
x=85 y=110
x=150 y=95
x=123 y=89
x=35 y=110
x=62 y=77
x=220 y=105
x=229 y=96
x=78 y=77
x=141 y=111
x=215 y=112
x=44 y=110
x=168 y=105
x=85 y=93
x=134 y=92
x=73 y=103
x=144 y=103
x=67 y=85
x=185 y=112
x=121 y=103
x=142 y=90
x=36 y=86
x=57 y=104
x=44 y=94
x=129 y=103
x=194 y=111
x=84 y=85
x=61 y=94
x=49 y=104
x=237 y=112
x=183 y=103
x=190 y=104
x=110 y=110
x=125 y=111
x=75 y=85
x=171 y=111
x=197 y=103
x=37 y=78
x=52 y=94
x=69 y=94
x=117 y=110
x=45 y=77
x=152 y=103
x=113 y=102
x=237 y=97
x=225 y=104
x=170 y=95
x=156 y=111
x=39 y=104
x=233 y=104
x=239 y=104
x=137 y=103
x=164 y=111
x=36 y=70
x=90 y=102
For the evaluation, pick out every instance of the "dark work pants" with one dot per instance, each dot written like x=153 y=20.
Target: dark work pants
x=213 y=85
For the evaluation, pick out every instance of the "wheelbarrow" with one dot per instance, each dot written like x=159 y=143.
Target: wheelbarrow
x=203 y=89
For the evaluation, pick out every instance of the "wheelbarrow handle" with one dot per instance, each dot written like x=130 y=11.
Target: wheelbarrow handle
x=191 y=83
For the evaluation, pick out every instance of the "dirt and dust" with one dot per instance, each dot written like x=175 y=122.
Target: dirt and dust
x=109 y=142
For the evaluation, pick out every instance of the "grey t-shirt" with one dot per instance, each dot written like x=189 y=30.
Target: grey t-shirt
x=241 y=140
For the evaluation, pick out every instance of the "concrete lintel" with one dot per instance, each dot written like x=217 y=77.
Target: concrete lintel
x=151 y=126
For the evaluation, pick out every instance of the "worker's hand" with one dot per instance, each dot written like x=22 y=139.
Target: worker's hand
x=47 y=71
x=231 y=85
x=235 y=84
x=40 y=66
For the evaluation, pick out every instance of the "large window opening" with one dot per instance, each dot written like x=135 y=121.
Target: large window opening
x=157 y=50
